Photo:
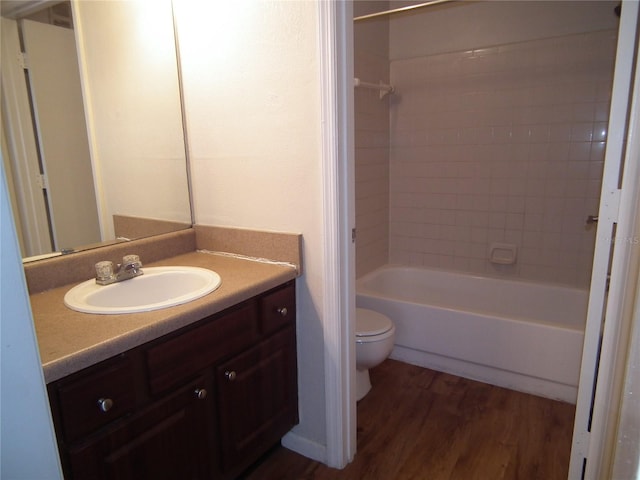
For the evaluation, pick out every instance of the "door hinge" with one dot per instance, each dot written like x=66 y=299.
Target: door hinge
x=41 y=181
x=23 y=60
x=610 y=204
x=353 y=235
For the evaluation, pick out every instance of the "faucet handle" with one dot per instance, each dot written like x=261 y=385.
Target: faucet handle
x=131 y=259
x=104 y=270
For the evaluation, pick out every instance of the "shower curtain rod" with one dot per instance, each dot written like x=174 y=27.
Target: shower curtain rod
x=383 y=87
x=400 y=9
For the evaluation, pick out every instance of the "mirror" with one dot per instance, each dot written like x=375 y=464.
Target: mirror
x=125 y=175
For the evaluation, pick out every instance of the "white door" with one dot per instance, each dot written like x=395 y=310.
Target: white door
x=62 y=135
x=607 y=324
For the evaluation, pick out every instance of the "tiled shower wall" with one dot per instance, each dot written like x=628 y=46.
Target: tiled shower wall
x=371 y=58
x=503 y=144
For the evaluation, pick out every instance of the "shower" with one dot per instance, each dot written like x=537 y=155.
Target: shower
x=493 y=135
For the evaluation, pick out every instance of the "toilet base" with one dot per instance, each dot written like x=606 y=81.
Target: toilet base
x=363 y=384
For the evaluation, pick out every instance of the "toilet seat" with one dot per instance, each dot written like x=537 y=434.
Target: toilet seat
x=370 y=323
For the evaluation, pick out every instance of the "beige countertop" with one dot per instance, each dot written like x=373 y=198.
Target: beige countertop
x=70 y=341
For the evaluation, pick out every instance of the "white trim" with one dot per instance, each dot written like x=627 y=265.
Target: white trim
x=625 y=461
x=618 y=318
x=339 y=292
x=21 y=143
x=305 y=447
x=347 y=213
x=614 y=208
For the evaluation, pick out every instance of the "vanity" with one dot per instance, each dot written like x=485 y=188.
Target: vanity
x=198 y=390
x=195 y=390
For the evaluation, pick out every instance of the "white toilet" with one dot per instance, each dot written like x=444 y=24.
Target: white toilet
x=375 y=335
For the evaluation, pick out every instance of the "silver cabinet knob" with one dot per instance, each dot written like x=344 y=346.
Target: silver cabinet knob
x=105 y=404
x=283 y=311
x=230 y=375
x=200 y=393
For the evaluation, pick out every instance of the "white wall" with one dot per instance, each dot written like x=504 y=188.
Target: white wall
x=27 y=443
x=130 y=78
x=251 y=85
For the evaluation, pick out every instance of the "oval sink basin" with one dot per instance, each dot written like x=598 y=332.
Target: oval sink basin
x=158 y=287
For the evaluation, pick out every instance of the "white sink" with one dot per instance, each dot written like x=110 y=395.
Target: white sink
x=158 y=287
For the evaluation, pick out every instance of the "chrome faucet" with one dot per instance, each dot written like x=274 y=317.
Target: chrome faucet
x=129 y=268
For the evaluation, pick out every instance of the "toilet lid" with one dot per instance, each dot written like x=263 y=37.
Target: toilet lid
x=370 y=323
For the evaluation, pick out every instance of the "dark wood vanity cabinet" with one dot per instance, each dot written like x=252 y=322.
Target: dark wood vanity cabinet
x=204 y=402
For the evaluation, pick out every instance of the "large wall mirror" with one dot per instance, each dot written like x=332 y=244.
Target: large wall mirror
x=92 y=130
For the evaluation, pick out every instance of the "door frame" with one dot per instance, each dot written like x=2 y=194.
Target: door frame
x=337 y=142
x=336 y=61
x=21 y=144
x=609 y=318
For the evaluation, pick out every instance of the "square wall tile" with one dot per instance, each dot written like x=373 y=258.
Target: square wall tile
x=501 y=144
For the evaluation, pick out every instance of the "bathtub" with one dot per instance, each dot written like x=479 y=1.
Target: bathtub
x=520 y=335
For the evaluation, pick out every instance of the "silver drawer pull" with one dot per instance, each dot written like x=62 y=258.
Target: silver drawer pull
x=230 y=375
x=201 y=393
x=105 y=404
x=283 y=311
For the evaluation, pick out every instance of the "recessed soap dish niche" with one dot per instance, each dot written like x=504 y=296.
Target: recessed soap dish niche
x=503 y=253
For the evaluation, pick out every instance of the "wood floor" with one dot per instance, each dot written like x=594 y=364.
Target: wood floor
x=425 y=425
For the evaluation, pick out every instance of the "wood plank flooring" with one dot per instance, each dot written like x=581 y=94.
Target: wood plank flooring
x=425 y=425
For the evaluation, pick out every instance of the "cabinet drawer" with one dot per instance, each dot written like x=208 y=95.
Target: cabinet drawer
x=97 y=398
x=176 y=360
x=278 y=309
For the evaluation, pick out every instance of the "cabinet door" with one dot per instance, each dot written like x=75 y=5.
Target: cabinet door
x=171 y=439
x=257 y=395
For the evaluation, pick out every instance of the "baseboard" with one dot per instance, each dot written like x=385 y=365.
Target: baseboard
x=485 y=374
x=305 y=447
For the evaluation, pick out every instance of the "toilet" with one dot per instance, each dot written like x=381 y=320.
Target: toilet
x=375 y=335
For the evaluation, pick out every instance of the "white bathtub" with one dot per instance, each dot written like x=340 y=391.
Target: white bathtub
x=520 y=335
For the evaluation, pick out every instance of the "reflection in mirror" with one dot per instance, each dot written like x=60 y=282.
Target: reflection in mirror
x=92 y=124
